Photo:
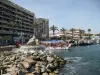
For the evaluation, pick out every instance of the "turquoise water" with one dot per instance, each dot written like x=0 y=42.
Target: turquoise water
x=86 y=60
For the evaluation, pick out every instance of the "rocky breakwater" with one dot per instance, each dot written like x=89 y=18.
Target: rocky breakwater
x=31 y=64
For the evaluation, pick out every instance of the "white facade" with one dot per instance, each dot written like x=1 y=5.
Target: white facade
x=56 y=33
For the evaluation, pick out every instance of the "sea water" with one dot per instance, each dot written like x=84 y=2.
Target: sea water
x=85 y=60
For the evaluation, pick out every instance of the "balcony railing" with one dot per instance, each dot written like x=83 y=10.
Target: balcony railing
x=6 y=32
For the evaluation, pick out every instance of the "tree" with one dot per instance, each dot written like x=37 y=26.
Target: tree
x=72 y=32
x=63 y=30
x=36 y=25
x=89 y=31
x=53 y=28
x=64 y=38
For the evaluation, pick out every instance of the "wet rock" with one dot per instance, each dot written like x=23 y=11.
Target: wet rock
x=56 y=64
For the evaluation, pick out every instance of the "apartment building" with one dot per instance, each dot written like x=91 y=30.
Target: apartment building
x=16 y=22
x=75 y=34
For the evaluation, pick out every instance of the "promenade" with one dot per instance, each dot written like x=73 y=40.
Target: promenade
x=7 y=48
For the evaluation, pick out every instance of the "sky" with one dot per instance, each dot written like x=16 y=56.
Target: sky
x=66 y=13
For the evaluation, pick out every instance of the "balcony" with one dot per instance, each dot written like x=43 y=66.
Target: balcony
x=7 y=8
x=6 y=32
x=10 y=14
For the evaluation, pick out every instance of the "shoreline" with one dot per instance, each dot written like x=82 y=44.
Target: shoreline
x=35 y=63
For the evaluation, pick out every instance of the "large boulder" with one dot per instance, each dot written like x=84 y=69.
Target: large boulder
x=50 y=59
x=30 y=61
x=50 y=67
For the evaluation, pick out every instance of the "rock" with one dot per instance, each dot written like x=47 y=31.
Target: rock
x=45 y=73
x=35 y=54
x=51 y=66
x=26 y=64
x=62 y=62
x=50 y=59
x=56 y=71
x=37 y=69
x=7 y=63
x=14 y=72
x=29 y=74
x=43 y=58
x=37 y=64
x=36 y=73
x=48 y=70
x=30 y=61
x=56 y=64
x=52 y=73
x=43 y=68
x=12 y=58
x=30 y=57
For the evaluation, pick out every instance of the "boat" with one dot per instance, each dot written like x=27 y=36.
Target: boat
x=48 y=45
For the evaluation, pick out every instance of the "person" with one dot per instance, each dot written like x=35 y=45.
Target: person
x=17 y=44
x=67 y=44
x=42 y=46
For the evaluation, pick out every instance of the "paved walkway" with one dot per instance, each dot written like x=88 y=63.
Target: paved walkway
x=7 y=48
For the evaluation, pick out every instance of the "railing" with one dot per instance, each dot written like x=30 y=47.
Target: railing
x=6 y=32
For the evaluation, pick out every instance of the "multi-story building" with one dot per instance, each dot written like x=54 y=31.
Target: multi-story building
x=42 y=28
x=75 y=34
x=15 y=22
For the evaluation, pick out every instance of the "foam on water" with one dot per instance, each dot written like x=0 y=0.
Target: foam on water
x=71 y=69
x=73 y=59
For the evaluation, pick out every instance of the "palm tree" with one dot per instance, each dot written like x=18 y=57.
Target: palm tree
x=63 y=30
x=89 y=31
x=53 y=28
x=36 y=25
x=72 y=32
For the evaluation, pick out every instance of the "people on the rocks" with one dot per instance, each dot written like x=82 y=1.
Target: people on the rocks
x=18 y=44
x=61 y=44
